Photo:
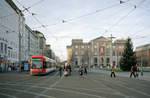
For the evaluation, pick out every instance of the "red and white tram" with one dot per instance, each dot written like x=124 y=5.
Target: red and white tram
x=42 y=65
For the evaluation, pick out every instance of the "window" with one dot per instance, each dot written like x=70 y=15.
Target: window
x=5 y=49
x=8 y=53
x=95 y=60
x=107 y=60
x=113 y=53
x=76 y=46
x=36 y=63
x=95 y=53
x=76 y=53
x=95 y=46
x=2 y=47
x=76 y=61
x=120 y=54
x=102 y=60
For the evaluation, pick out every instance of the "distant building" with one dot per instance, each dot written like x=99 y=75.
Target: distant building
x=41 y=43
x=69 y=53
x=143 y=55
x=48 y=51
x=98 y=52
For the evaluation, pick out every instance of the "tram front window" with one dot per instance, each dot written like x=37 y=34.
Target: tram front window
x=36 y=63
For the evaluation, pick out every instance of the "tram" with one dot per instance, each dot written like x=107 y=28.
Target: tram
x=41 y=65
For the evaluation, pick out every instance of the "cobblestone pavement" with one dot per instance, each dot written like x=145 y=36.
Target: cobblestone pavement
x=93 y=85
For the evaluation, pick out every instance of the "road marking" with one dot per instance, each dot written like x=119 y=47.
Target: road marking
x=76 y=92
x=28 y=80
x=116 y=91
x=7 y=95
x=23 y=91
x=50 y=87
x=126 y=88
x=18 y=84
x=93 y=90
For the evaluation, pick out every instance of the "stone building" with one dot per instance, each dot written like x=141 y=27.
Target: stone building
x=48 y=51
x=99 y=52
x=41 y=42
x=143 y=55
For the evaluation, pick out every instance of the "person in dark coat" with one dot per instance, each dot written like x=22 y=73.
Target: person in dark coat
x=85 y=70
x=60 y=71
x=132 y=70
x=69 y=67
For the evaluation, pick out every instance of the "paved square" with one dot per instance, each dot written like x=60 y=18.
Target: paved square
x=93 y=85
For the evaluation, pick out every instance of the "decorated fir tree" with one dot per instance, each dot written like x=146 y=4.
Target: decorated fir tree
x=128 y=58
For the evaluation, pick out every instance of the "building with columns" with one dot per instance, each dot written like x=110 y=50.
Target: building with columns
x=99 y=52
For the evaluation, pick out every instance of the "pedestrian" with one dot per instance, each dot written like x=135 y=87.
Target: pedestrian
x=113 y=72
x=85 y=70
x=81 y=70
x=69 y=67
x=137 y=70
x=60 y=71
x=132 y=72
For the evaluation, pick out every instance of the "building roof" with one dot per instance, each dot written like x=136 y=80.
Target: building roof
x=40 y=34
x=101 y=38
x=120 y=41
x=143 y=47
x=13 y=5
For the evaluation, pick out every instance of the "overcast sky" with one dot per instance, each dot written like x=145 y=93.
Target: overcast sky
x=88 y=19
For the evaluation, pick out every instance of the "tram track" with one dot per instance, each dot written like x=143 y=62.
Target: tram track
x=116 y=86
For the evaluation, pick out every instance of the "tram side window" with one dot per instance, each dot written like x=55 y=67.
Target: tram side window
x=44 y=65
x=48 y=64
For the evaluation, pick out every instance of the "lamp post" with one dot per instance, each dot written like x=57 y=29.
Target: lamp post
x=141 y=63
x=19 y=35
x=111 y=50
x=19 y=28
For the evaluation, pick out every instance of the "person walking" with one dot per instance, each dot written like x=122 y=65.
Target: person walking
x=60 y=71
x=85 y=70
x=137 y=70
x=81 y=70
x=113 y=72
x=69 y=68
x=132 y=72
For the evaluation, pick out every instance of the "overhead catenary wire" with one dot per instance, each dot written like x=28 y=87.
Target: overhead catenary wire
x=38 y=2
x=35 y=4
x=82 y=16
x=122 y=18
x=35 y=18
x=25 y=9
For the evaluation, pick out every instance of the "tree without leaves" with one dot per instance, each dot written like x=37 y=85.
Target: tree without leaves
x=128 y=58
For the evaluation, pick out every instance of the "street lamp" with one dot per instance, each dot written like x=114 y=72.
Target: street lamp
x=111 y=49
x=141 y=64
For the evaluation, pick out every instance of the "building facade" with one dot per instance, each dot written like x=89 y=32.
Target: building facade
x=41 y=43
x=11 y=27
x=99 y=52
x=143 y=55
x=48 y=51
